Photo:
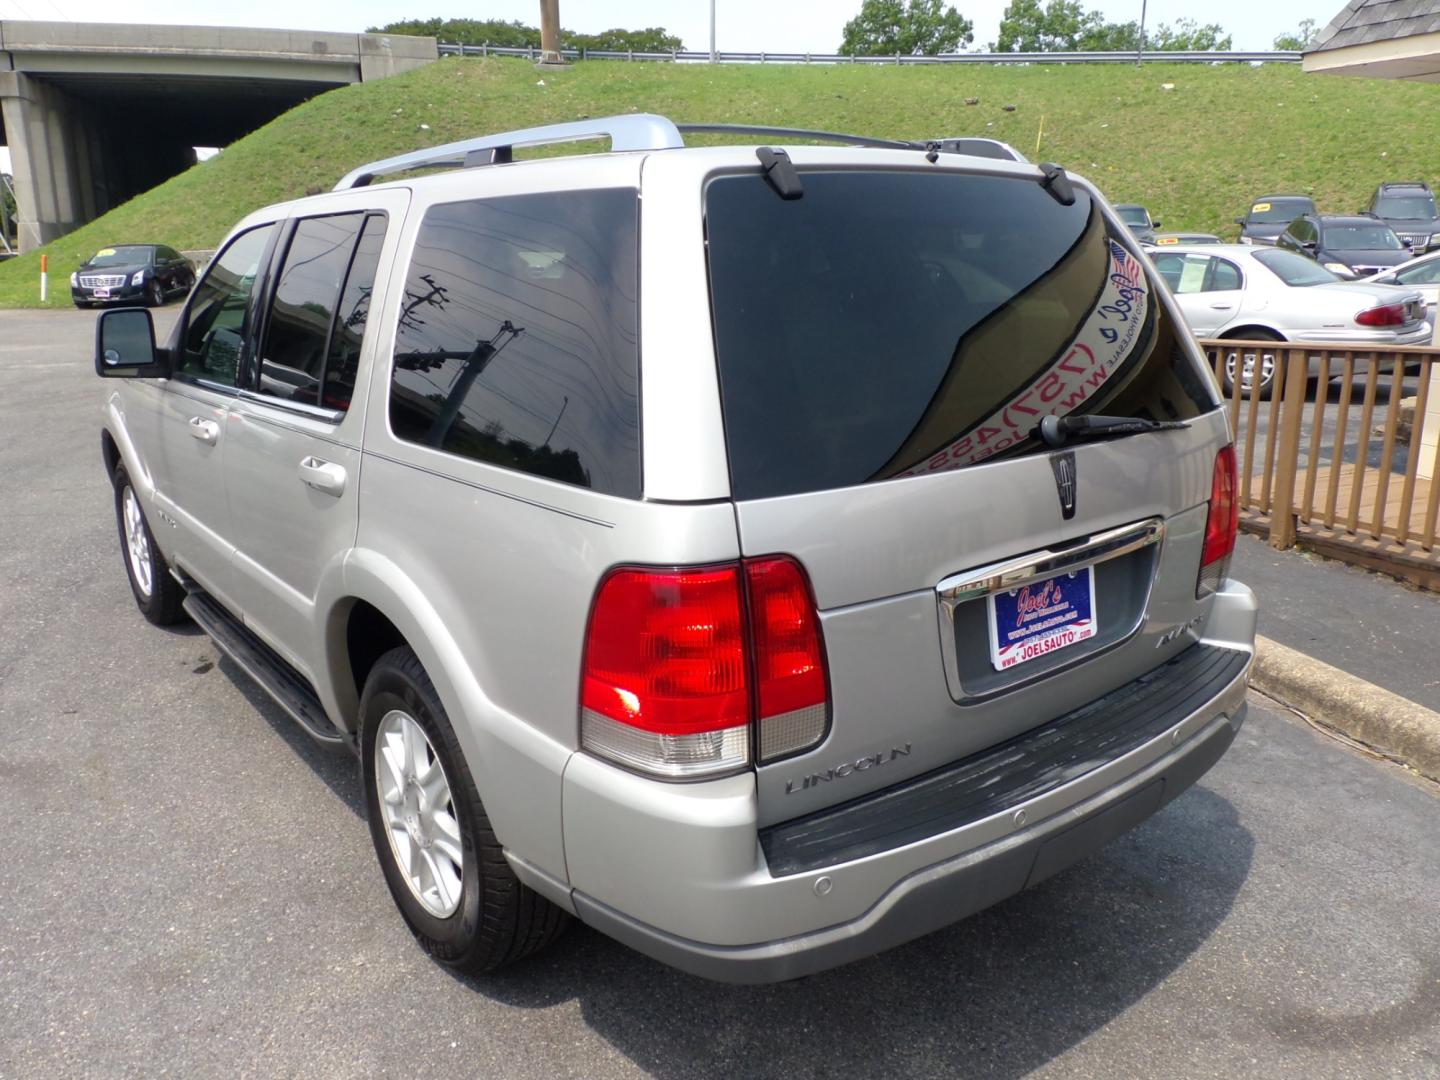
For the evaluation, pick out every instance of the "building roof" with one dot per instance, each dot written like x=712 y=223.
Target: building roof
x=1364 y=21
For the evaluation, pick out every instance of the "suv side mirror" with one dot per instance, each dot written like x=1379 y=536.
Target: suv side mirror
x=1240 y=221
x=125 y=346
x=1155 y=223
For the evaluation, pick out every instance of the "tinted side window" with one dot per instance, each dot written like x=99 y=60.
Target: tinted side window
x=1426 y=274
x=1191 y=276
x=1223 y=275
x=292 y=363
x=516 y=342
x=344 y=356
x=216 y=319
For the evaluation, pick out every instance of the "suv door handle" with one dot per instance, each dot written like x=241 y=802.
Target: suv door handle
x=207 y=431
x=323 y=476
x=1222 y=307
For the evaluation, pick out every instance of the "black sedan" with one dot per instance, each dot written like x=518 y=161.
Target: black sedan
x=1269 y=214
x=1351 y=246
x=132 y=274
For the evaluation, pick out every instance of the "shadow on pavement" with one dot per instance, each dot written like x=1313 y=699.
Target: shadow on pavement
x=338 y=768
x=997 y=995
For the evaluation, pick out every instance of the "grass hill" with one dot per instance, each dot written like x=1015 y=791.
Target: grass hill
x=1195 y=153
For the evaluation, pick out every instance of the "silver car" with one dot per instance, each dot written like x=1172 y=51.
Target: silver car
x=1257 y=293
x=1421 y=275
x=753 y=552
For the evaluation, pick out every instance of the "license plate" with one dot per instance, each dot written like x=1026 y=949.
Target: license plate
x=102 y=294
x=1041 y=617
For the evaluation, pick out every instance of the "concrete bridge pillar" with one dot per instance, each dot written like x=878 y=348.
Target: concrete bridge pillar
x=53 y=143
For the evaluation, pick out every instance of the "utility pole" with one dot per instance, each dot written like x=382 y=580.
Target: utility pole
x=550 y=33
x=1140 y=50
x=714 y=56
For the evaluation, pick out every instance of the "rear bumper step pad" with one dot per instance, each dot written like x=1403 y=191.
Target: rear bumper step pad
x=1009 y=773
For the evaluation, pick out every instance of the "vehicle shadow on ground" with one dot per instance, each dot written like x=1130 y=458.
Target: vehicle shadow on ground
x=337 y=768
x=997 y=995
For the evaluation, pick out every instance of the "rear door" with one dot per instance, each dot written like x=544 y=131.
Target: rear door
x=1207 y=288
x=294 y=455
x=887 y=344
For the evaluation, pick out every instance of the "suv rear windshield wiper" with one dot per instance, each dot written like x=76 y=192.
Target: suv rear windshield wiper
x=1058 y=430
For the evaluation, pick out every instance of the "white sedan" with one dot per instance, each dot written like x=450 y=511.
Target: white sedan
x=1269 y=294
x=1422 y=275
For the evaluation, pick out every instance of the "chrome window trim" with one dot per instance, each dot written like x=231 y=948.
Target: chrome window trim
x=185 y=378
x=1009 y=574
x=300 y=408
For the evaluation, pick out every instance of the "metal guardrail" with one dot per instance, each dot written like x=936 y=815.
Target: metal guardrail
x=697 y=56
x=1313 y=472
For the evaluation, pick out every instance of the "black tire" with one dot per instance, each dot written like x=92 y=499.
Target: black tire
x=155 y=293
x=160 y=603
x=498 y=920
x=1267 y=382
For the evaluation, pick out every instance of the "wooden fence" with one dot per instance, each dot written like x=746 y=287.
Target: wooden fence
x=1330 y=465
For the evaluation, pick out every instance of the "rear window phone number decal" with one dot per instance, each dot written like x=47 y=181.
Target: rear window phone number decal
x=1102 y=345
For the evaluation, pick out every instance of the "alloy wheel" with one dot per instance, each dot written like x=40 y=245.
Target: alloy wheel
x=419 y=813
x=137 y=542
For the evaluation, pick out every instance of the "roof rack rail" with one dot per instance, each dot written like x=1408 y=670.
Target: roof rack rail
x=635 y=131
x=798 y=133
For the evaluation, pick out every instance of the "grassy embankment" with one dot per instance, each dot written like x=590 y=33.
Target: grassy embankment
x=1194 y=154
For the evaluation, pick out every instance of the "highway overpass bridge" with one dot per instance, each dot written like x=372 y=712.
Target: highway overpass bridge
x=95 y=113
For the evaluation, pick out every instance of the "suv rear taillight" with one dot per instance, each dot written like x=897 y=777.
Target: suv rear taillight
x=681 y=665
x=1221 y=524
x=791 y=698
x=1385 y=315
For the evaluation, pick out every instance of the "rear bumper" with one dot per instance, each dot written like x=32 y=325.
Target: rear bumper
x=945 y=892
x=1419 y=335
x=681 y=873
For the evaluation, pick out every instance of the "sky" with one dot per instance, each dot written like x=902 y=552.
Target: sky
x=741 y=25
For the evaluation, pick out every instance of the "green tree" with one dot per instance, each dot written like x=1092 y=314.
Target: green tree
x=1062 y=26
x=1188 y=36
x=651 y=39
x=1026 y=26
x=1299 y=38
x=511 y=35
x=516 y=35
x=1101 y=36
x=906 y=27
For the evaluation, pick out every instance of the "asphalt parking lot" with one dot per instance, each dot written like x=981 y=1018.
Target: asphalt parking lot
x=187 y=886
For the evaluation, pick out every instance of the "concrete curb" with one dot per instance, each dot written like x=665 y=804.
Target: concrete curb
x=1387 y=722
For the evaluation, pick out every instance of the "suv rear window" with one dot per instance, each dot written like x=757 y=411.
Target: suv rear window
x=889 y=324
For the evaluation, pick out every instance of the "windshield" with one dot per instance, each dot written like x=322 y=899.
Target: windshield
x=1279 y=211
x=1295 y=269
x=890 y=324
x=1133 y=215
x=124 y=255
x=1361 y=238
x=1406 y=207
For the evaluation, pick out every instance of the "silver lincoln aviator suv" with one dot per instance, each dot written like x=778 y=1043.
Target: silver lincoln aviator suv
x=765 y=555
